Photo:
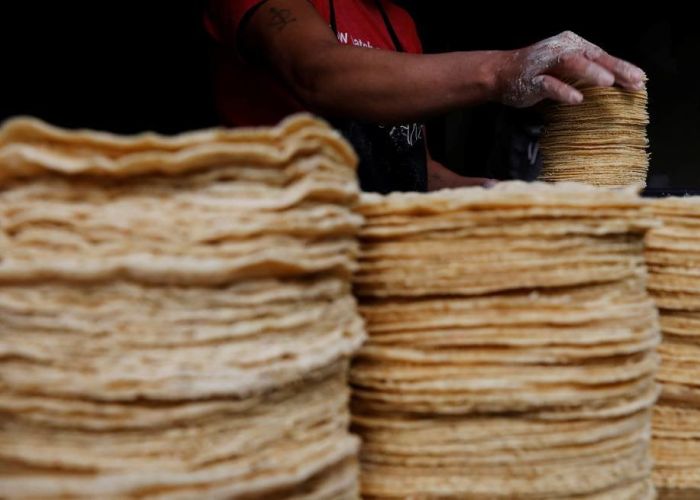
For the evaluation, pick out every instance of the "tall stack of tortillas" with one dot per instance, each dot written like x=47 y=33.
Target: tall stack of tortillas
x=673 y=257
x=601 y=141
x=511 y=345
x=176 y=316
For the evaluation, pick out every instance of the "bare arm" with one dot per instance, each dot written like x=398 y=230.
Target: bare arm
x=384 y=86
x=348 y=81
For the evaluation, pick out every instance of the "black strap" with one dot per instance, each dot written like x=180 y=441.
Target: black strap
x=398 y=46
x=397 y=43
x=334 y=26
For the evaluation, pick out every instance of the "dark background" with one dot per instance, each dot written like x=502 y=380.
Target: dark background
x=142 y=65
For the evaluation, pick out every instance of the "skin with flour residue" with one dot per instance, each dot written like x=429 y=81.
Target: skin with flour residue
x=536 y=72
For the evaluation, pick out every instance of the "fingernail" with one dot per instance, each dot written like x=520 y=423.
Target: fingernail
x=575 y=97
x=490 y=183
x=637 y=74
x=639 y=85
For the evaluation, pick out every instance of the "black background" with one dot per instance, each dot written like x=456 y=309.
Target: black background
x=130 y=66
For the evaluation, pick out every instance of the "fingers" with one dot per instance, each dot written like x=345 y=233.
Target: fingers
x=626 y=75
x=552 y=88
x=580 y=70
x=550 y=69
x=553 y=51
x=571 y=42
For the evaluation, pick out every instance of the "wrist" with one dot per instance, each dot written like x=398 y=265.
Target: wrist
x=496 y=73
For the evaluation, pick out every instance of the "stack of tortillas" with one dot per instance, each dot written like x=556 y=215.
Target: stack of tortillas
x=601 y=141
x=673 y=256
x=176 y=315
x=511 y=345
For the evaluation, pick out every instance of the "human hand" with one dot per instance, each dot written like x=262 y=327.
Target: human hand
x=530 y=75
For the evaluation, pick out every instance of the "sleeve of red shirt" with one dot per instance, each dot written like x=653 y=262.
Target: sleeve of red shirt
x=223 y=18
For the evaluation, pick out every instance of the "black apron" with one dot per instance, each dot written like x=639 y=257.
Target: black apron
x=392 y=156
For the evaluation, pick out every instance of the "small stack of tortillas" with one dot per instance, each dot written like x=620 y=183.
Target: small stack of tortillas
x=176 y=316
x=601 y=141
x=511 y=350
x=673 y=257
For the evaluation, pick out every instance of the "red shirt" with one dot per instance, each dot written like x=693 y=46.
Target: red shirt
x=248 y=95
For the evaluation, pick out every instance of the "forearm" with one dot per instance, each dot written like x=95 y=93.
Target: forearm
x=384 y=86
x=291 y=38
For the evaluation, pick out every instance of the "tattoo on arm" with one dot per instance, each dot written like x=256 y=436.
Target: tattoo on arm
x=280 y=18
